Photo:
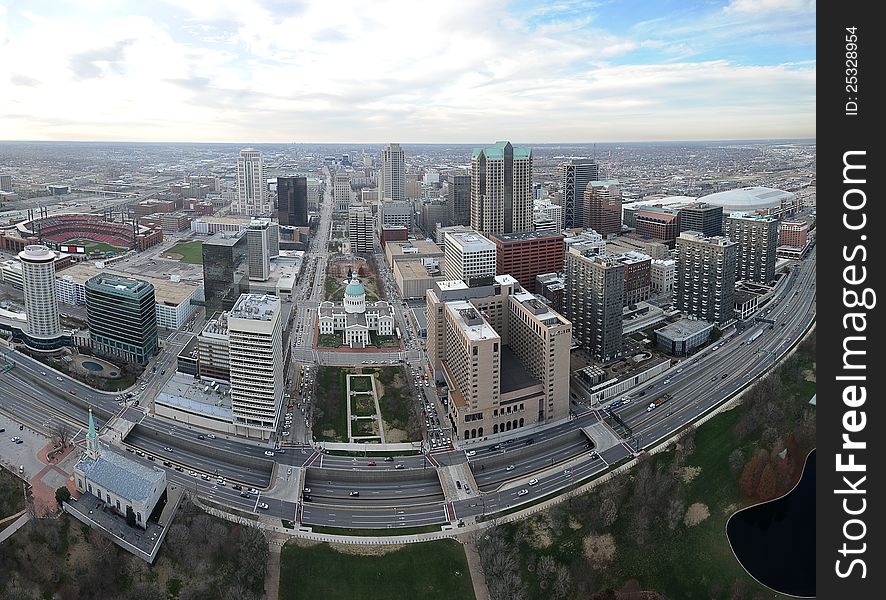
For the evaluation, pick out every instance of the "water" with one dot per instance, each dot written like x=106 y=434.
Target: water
x=775 y=541
x=93 y=366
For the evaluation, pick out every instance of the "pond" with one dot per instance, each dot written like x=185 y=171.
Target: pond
x=92 y=366
x=775 y=541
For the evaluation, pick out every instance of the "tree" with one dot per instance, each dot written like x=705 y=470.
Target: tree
x=766 y=489
x=61 y=435
x=750 y=476
x=130 y=516
x=62 y=494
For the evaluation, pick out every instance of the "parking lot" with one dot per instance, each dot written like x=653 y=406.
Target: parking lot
x=25 y=454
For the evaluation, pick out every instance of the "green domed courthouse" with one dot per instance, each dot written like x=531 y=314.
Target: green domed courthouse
x=354 y=318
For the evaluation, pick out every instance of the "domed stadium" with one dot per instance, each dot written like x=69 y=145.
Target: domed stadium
x=760 y=200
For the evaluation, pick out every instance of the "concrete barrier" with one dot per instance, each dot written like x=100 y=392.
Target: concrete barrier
x=364 y=475
x=519 y=450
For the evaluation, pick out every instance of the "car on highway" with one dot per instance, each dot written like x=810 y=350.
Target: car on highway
x=167 y=448
x=269 y=453
x=533 y=481
x=371 y=463
x=523 y=492
x=210 y=436
x=354 y=493
x=58 y=378
x=399 y=466
x=651 y=407
x=221 y=482
x=204 y=477
x=244 y=494
x=237 y=486
x=252 y=491
x=389 y=459
x=510 y=468
x=263 y=506
x=307 y=498
x=201 y=437
x=470 y=453
x=667 y=381
x=307 y=490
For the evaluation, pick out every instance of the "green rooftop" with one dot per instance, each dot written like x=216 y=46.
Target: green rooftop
x=498 y=151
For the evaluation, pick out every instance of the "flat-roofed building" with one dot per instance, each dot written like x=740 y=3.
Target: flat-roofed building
x=411 y=250
x=526 y=255
x=594 y=301
x=706 y=271
x=213 y=349
x=638 y=276
x=122 y=317
x=702 y=217
x=503 y=353
x=757 y=239
x=658 y=223
x=255 y=334
x=663 y=274
x=225 y=270
x=468 y=256
x=501 y=188
x=602 y=206
x=681 y=337
x=360 y=233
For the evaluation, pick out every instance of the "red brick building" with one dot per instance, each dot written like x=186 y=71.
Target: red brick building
x=659 y=223
x=525 y=256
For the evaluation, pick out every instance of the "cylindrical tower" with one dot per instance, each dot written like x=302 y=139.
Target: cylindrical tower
x=41 y=303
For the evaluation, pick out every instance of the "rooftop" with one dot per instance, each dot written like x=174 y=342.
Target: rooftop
x=166 y=291
x=222 y=239
x=121 y=474
x=604 y=182
x=683 y=328
x=716 y=240
x=750 y=198
x=118 y=283
x=255 y=307
x=496 y=152
x=184 y=392
x=471 y=241
x=525 y=235
x=471 y=321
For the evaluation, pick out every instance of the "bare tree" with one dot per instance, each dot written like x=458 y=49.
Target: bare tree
x=61 y=434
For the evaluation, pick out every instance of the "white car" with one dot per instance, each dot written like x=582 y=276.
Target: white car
x=252 y=491
x=510 y=468
x=268 y=453
x=523 y=492
x=263 y=506
x=650 y=408
x=533 y=481
x=470 y=453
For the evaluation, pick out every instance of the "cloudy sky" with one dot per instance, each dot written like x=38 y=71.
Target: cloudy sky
x=407 y=71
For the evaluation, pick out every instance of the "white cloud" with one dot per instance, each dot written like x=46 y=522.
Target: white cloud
x=770 y=6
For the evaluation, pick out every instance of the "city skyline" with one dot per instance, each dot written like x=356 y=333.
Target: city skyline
x=260 y=72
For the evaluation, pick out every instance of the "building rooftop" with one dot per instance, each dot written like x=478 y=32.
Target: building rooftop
x=223 y=239
x=121 y=475
x=217 y=324
x=683 y=328
x=751 y=217
x=496 y=152
x=471 y=321
x=118 y=283
x=166 y=291
x=631 y=257
x=604 y=182
x=184 y=392
x=412 y=248
x=416 y=269
x=525 y=235
x=695 y=236
x=255 y=307
x=37 y=253
x=750 y=198
x=471 y=241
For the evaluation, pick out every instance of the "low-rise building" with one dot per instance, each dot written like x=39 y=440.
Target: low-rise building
x=683 y=336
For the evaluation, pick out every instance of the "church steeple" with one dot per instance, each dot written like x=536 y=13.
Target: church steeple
x=91 y=439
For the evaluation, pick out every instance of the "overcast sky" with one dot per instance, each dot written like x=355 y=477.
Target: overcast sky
x=407 y=71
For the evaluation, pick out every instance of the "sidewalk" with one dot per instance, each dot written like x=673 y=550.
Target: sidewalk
x=481 y=591
x=16 y=525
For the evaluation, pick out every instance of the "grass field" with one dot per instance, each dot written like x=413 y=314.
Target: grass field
x=192 y=252
x=362 y=405
x=394 y=403
x=361 y=384
x=328 y=340
x=92 y=246
x=330 y=410
x=431 y=571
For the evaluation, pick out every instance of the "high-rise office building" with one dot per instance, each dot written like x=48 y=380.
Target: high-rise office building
x=705 y=285
x=292 y=201
x=757 y=239
x=5 y=183
x=342 y=193
x=39 y=285
x=525 y=256
x=702 y=217
x=594 y=301
x=501 y=189
x=255 y=359
x=252 y=193
x=360 y=231
x=122 y=317
x=468 y=257
x=392 y=176
x=503 y=354
x=638 y=276
x=458 y=200
x=262 y=242
x=663 y=274
x=659 y=224
x=213 y=348
x=395 y=214
x=577 y=174
x=545 y=211
x=602 y=206
x=225 y=270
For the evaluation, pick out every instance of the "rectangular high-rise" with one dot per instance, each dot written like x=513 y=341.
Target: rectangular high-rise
x=705 y=284
x=702 y=217
x=501 y=189
x=594 y=300
x=342 y=193
x=458 y=200
x=255 y=359
x=392 y=176
x=577 y=174
x=262 y=242
x=602 y=206
x=468 y=257
x=292 y=201
x=360 y=231
x=225 y=270
x=525 y=256
x=757 y=239
x=122 y=317
x=545 y=210
x=252 y=194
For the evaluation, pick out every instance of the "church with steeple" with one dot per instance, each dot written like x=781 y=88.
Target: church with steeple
x=120 y=482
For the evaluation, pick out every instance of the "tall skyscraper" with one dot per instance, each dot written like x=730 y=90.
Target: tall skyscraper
x=5 y=183
x=705 y=285
x=342 y=192
x=458 y=199
x=252 y=193
x=602 y=206
x=122 y=317
x=501 y=189
x=360 y=233
x=262 y=242
x=757 y=239
x=594 y=300
x=392 y=176
x=255 y=359
x=577 y=174
x=225 y=270
x=292 y=201
x=702 y=217
x=38 y=282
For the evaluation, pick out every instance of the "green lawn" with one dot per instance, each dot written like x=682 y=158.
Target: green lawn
x=362 y=405
x=361 y=383
x=328 y=340
x=330 y=410
x=363 y=428
x=91 y=246
x=435 y=570
x=395 y=404
x=192 y=252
